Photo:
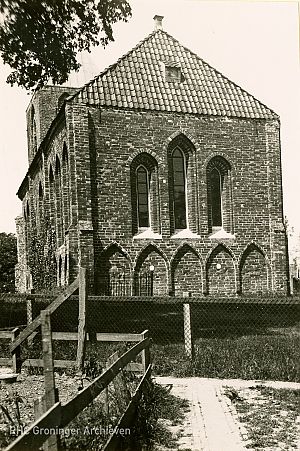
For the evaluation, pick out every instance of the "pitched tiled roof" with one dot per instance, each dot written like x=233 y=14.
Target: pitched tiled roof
x=137 y=80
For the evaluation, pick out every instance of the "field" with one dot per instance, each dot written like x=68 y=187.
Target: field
x=230 y=342
x=264 y=354
x=270 y=416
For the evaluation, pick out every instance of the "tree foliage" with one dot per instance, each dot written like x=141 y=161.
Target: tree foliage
x=8 y=260
x=40 y=39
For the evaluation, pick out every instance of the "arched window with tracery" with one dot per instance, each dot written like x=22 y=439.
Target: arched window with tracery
x=142 y=188
x=182 y=185
x=179 y=189
x=219 y=195
x=144 y=194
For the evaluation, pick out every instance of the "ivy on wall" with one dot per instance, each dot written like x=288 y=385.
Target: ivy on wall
x=41 y=255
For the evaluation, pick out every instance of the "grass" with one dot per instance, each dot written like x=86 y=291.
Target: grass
x=269 y=416
x=157 y=408
x=147 y=432
x=265 y=356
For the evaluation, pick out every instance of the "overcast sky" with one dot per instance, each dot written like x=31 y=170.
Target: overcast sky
x=255 y=44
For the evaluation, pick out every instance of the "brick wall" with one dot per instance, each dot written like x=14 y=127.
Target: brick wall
x=44 y=105
x=255 y=216
x=97 y=202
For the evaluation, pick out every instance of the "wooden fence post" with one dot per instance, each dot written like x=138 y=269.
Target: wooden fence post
x=81 y=319
x=50 y=392
x=187 y=327
x=16 y=356
x=145 y=352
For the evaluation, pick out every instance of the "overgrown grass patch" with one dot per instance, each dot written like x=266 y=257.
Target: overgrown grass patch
x=157 y=408
x=270 y=417
x=262 y=356
x=148 y=432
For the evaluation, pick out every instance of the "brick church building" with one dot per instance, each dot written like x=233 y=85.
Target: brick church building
x=160 y=176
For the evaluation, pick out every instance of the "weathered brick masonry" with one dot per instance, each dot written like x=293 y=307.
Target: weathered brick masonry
x=103 y=171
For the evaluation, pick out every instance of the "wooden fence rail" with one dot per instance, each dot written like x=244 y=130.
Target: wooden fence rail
x=51 y=308
x=58 y=416
x=113 y=443
x=79 y=283
x=70 y=336
x=15 y=359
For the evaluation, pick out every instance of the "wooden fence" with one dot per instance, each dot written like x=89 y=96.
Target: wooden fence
x=49 y=412
x=11 y=335
x=27 y=333
x=57 y=416
x=70 y=336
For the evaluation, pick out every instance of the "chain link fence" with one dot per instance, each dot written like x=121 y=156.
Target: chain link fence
x=191 y=336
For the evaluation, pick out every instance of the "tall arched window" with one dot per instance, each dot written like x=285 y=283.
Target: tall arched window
x=179 y=189
x=58 y=196
x=52 y=197
x=27 y=210
x=182 y=178
x=142 y=187
x=33 y=133
x=219 y=195
x=40 y=206
x=216 y=198
x=66 y=270
x=60 y=272
x=144 y=194
x=65 y=187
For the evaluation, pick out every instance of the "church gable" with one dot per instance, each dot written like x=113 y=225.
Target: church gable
x=161 y=74
x=154 y=204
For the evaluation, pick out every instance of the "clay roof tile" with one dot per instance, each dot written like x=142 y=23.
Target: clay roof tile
x=140 y=75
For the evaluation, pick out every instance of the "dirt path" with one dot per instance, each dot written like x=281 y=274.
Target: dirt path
x=212 y=423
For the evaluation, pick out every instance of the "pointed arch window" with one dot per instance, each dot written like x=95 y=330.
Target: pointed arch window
x=142 y=187
x=179 y=189
x=216 y=198
x=40 y=205
x=65 y=187
x=58 y=197
x=33 y=132
x=219 y=192
x=144 y=195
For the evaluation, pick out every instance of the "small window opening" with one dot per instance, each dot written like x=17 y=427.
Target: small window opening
x=173 y=74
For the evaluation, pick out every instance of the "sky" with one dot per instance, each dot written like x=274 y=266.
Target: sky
x=254 y=43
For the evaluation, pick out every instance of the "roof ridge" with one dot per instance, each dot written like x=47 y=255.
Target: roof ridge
x=111 y=66
x=219 y=72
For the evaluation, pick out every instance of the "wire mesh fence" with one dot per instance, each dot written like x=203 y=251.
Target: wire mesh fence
x=241 y=338
x=213 y=331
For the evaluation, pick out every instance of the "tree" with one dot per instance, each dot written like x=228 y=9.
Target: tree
x=8 y=260
x=40 y=39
